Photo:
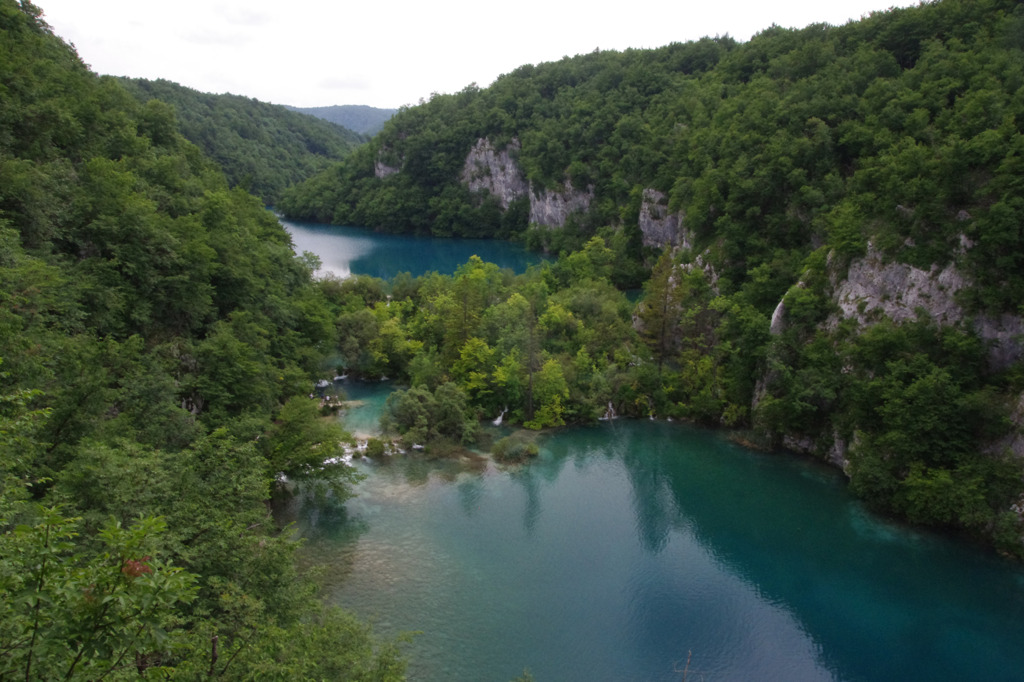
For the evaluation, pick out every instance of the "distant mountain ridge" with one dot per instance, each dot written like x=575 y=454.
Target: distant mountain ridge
x=361 y=118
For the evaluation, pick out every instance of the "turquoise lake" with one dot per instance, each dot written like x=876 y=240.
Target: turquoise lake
x=628 y=546
x=345 y=250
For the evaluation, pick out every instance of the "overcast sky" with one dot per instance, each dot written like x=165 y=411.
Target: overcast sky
x=389 y=53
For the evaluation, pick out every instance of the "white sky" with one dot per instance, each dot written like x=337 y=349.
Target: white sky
x=391 y=52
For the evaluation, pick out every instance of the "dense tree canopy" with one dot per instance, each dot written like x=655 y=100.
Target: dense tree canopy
x=891 y=128
x=155 y=326
x=157 y=331
x=262 y=148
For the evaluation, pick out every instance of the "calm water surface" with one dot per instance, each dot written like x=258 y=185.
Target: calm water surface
x=345 y=251
x=627 y=546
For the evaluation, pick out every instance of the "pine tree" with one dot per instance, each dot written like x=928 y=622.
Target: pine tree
x=661 y=310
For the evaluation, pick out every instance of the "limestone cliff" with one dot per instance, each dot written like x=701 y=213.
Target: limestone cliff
x=386 y=164
x=552 y=209
x=495 y=171
x=658 y=226
x=382 y=170
x=874 y=289
x=498 y=172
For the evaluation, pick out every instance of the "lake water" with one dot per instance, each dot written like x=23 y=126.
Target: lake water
x=629 y=546
x=345 y=251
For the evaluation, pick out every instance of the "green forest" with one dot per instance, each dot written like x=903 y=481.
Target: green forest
x=262 y=148
x=156 y=332
x=895 y=140
x=159 y=337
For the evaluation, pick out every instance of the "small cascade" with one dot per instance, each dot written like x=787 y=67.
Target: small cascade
x=320 y=389
x=609 y=413
x=497 y=421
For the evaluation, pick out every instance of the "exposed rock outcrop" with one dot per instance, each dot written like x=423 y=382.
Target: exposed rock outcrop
x=658 y=226
x=552 y=209
x=498 y=172
x=706 y=267
x=495 y=171
x=382 y=170
x=873 y=289
x=778 y=324
x=831 y=447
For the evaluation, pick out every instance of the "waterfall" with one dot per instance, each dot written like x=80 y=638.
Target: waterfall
x=500 y=417
x=609 y=413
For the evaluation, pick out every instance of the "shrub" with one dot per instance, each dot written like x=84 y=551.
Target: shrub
x=514 y=449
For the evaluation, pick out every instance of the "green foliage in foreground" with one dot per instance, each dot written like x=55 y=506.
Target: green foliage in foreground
x=155 y=330
x=121 y=612
x=69 y=616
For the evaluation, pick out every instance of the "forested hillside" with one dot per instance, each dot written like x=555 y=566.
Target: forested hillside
x=358 y=117
x=262 y=148
x=155 y=330
x=767 y=148
x=842 y=215
x=826 y=225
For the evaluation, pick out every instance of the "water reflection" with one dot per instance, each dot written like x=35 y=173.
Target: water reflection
x=345 y=250
x=884 y=603
x=470 y=492
x=627 y=545
x=531 y=488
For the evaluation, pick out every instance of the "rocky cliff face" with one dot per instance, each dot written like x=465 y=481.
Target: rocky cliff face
x=658 y=226
x=495 y=171
x=552 y=209
x=873 y=289
x=498 y=172
x=382 y=170
x=381 y=167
